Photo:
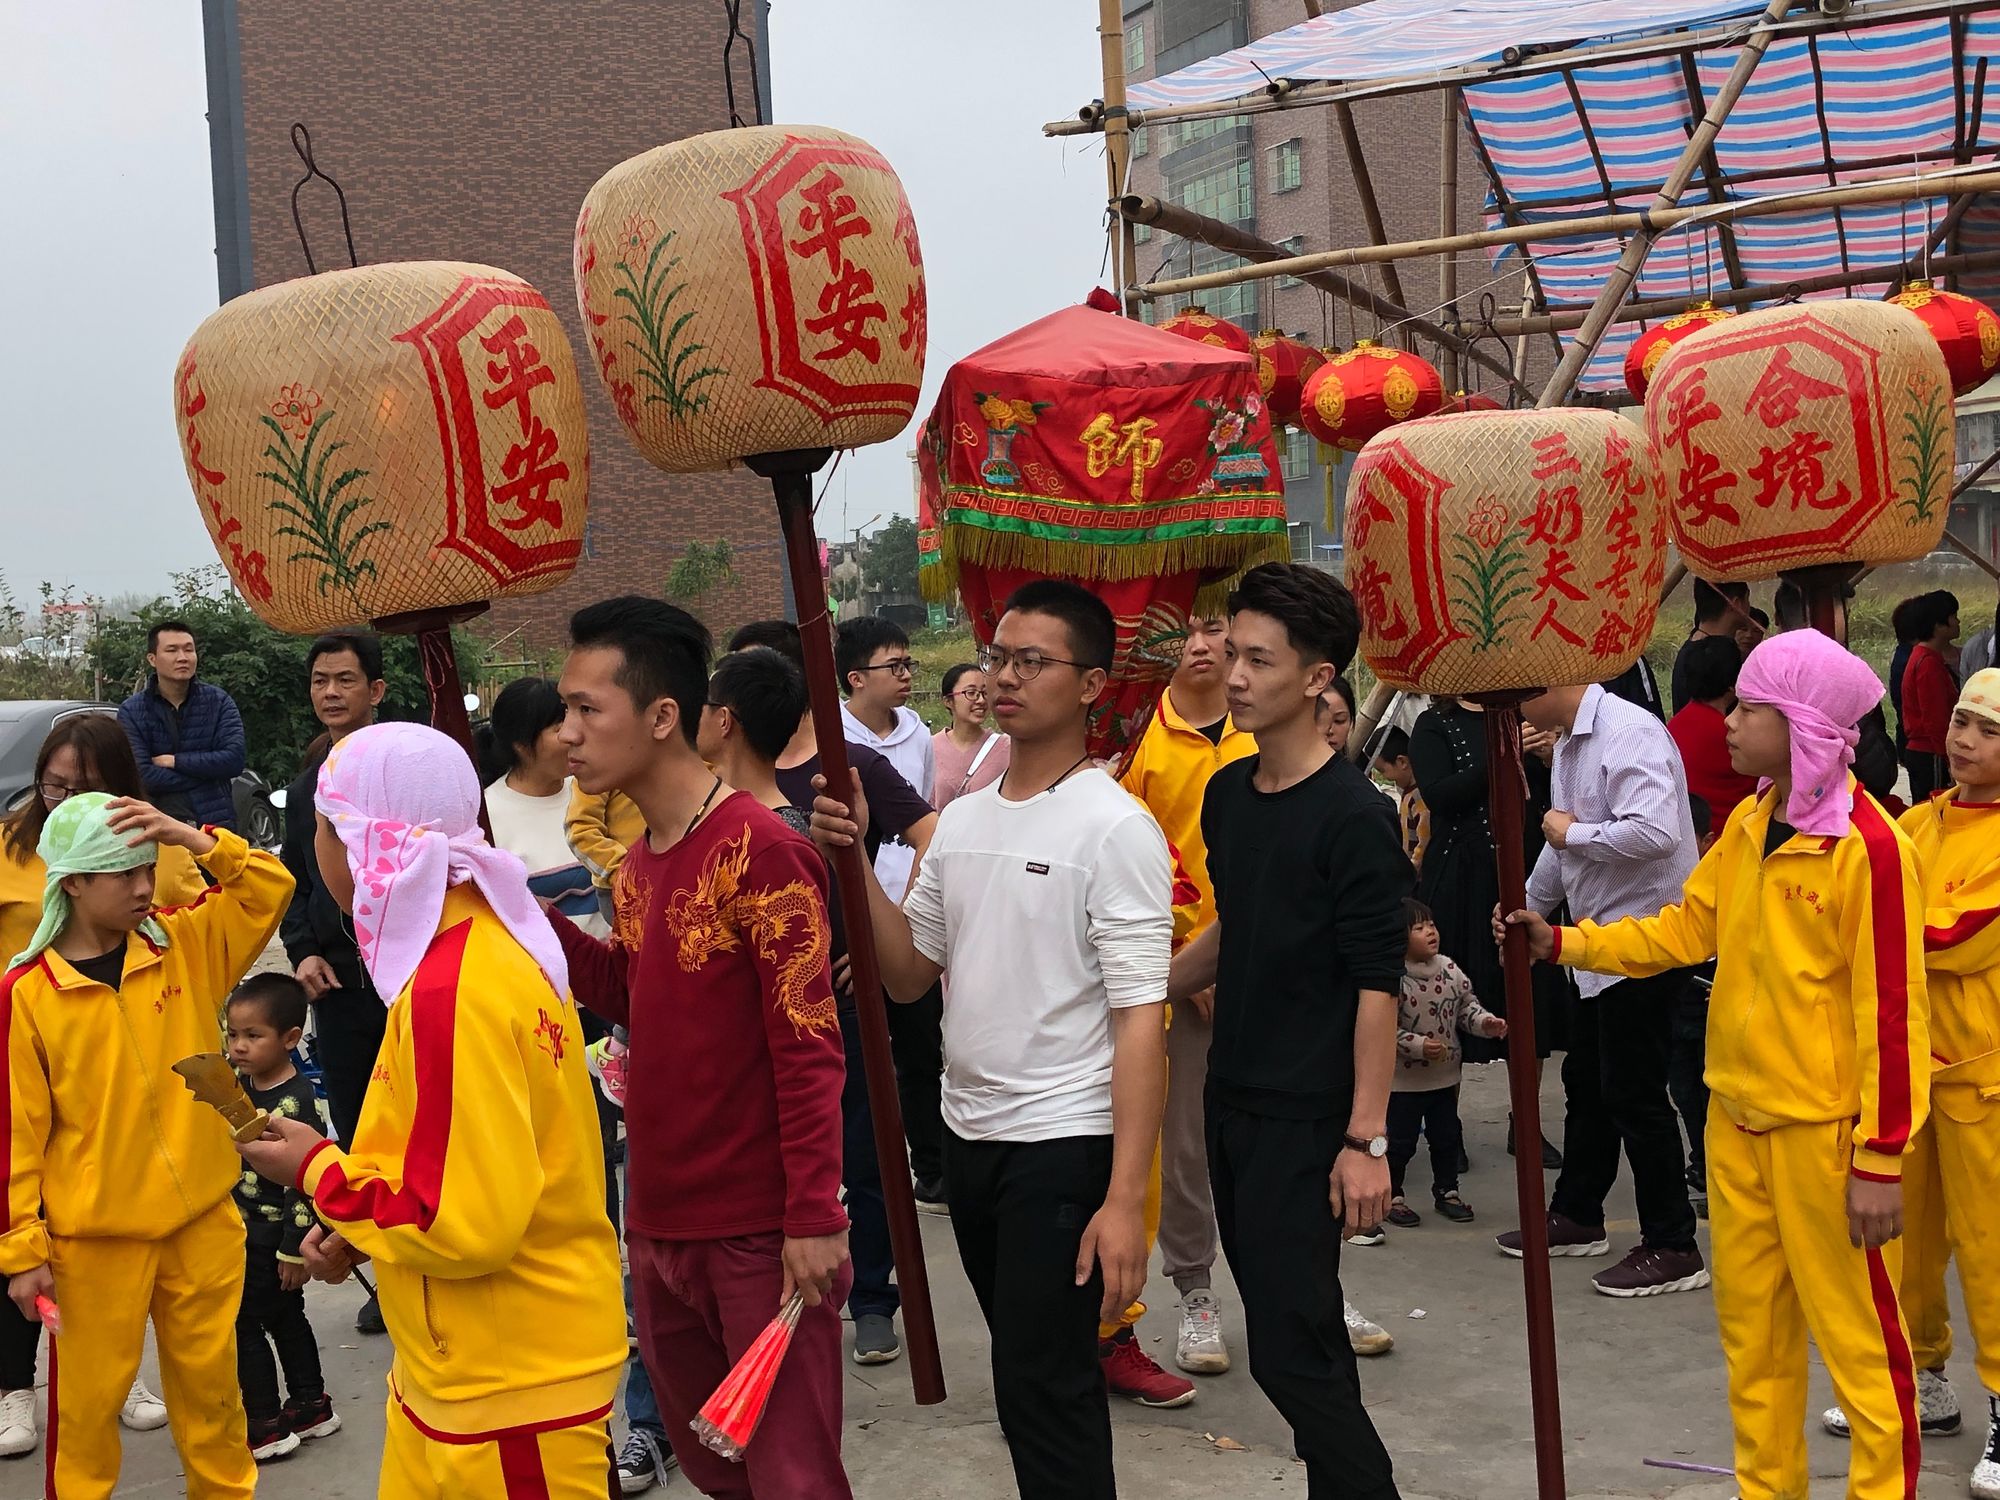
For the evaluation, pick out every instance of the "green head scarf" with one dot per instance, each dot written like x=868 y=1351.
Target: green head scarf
x=77 y=840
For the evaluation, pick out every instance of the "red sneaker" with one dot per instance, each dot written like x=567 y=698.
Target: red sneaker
x=1130 y=1372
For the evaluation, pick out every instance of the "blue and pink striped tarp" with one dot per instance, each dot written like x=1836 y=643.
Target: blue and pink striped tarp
x=1875 y=100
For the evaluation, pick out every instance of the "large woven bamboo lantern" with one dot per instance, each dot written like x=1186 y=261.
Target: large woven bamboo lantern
x=393 y=440
x=753 y=291
x=756 y=296
x=1802 y=436
x=1500 y=551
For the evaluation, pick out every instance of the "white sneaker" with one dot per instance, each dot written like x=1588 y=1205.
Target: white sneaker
x=143 y=1411
x=1201 y=1350
x=1363 y=1336
x=1986 y=1473
x=1937 y=1411
x=18 y=1433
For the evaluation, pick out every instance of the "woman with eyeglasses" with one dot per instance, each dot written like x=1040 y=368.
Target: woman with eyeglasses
x=969 y=754
x=87 y=753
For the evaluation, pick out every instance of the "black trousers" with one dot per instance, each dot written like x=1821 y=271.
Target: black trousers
x=1283 y=1243
x=1018 y=1211
x=1434 y=1113
x=1929 y=774
x=271 y=1315
x=874 y=1289
x=20 y=1339
x=1615 y=1083
x=348 y=1025
x=916 y=1042
x=1685 y=1074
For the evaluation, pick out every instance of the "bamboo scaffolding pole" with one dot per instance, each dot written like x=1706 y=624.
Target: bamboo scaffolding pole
x=1286 y=93
x=1948 y=182
x=1364 y=192
x=1640 y=245
x=1117 y=152
x=1454 y=373
x=1171 y=218
x=1666 y=307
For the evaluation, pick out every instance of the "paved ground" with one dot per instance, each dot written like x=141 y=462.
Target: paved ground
x=1639 y=1380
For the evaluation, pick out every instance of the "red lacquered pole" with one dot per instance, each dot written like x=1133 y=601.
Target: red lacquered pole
x=1507 y=798
x=791 y=477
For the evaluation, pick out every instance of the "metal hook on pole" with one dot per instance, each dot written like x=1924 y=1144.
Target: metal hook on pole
x=302 y=143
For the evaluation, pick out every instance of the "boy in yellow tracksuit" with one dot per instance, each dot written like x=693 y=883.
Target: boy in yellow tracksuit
x=1190 y=738
x=1957 y=839
x=1817 y=1068
x=475 y=1181
x=116 y=1224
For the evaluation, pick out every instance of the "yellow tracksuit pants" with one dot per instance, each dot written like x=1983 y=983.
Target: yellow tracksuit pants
x=1968 y=1150
x=1777 y=1203
x=1149 y=1216
x=1926 y=1252
x=191 y=1284
x=567 y=1462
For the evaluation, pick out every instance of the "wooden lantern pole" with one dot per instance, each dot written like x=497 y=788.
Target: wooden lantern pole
x=1506 y=787
x=791 y=474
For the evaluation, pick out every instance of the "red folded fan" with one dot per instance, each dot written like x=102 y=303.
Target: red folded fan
x=728 y=1419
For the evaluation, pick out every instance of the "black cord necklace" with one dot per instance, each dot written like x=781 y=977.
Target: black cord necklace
x=703 y=808
x=1081 y=763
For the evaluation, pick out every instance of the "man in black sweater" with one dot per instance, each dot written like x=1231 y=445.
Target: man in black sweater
x=1306 y=958
x=349 y=1018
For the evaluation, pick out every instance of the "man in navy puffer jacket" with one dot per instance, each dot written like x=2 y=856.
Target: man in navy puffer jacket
x=186 y=734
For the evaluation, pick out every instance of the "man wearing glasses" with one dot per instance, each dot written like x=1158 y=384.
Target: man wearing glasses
x=876 y=672
x=1049 y=897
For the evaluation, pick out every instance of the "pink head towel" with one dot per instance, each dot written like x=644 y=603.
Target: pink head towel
x=405 y=802
x=1823 y=690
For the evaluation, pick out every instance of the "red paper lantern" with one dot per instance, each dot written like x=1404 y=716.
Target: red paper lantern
x=1284 y=365
x=1474 y=401
x=1965 y=329
x=1367 y=390
x=1196 y=324
x=1650 y=347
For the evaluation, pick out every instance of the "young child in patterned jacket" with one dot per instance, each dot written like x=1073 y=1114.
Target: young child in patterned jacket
x=1437 y=1003
x=265 y=1017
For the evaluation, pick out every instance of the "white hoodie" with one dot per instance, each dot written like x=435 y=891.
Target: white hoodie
x=907 y=747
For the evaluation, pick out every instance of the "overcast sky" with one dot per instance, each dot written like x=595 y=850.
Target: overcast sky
x=108 y=262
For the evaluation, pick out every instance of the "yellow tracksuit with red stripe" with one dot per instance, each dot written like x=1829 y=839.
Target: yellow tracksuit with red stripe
x=1958 y=850
x=1818 y=1068
x=1169 y=772
x=118 y=1179
x=475 y=1182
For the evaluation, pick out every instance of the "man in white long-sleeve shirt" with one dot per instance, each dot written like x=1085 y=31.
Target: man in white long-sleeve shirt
x=1049 y=896
x=1621 y=842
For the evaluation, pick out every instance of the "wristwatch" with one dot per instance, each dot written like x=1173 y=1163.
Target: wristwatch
x=1367 y=1145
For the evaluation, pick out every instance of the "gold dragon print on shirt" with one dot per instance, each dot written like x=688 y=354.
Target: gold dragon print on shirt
x=787 y=924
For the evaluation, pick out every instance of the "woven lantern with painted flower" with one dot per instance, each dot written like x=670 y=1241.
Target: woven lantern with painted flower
x=1498 y=551
x=1808 y=435
x=397 y=443
x=1197 y=324
x=1284 y=365
x=1965 y=328
x=753 y=291
x=756 y=296
x=1650 y=347
x=1366 y=390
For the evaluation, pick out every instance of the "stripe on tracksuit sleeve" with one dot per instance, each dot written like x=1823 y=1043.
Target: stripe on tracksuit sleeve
x=433 y=1025
x=1892 y=931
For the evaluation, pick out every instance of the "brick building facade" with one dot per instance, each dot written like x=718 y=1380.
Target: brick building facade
x=1284 y=177
x=472 y=132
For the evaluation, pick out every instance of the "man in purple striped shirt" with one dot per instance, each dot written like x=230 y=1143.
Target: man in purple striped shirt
x=1621 y=842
